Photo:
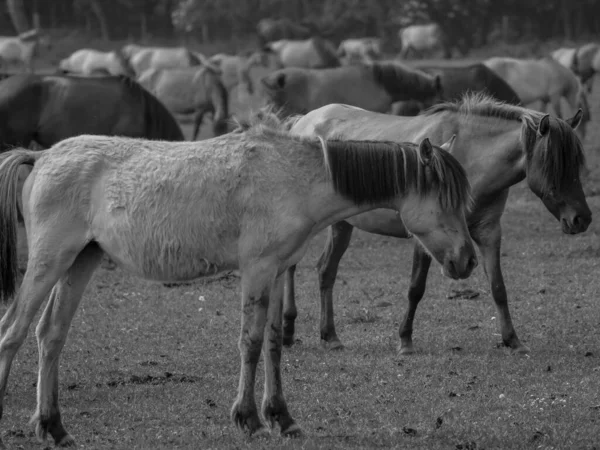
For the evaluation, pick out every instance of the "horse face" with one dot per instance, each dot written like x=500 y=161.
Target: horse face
x=553 y=175
x=443 y=233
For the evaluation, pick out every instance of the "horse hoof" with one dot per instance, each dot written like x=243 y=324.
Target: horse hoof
x=261 y=433
x=293 y=431
x=521 y=350
x=288 y=341
x=332 y=345
x=406 y=350
x=246 y=421
x=67 y=441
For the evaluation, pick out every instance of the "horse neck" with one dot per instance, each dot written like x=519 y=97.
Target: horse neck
x=492 y=153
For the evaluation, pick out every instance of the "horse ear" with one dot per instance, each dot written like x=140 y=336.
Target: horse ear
x=576 y=119
x=426 y=151
x=449 y=144
x=544 y=126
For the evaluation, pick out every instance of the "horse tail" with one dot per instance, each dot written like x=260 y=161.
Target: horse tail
x=10 y=163
x=220 y=102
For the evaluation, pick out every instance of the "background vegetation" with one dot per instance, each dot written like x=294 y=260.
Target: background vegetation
x=471 y=22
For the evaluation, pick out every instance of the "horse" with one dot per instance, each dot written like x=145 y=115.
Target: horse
x=144 y=58
x=313 y=53
x=189 y=90
x=458 y=80
x=374 y=86
x=235 y=69
x=268 y=30
x=23 y=48
x=49 y=108
x=174 y=211
x=544 y=80
x=423 y=39
x=360 y=50
x=583 y=61
x=90 y=62
x=498 y=145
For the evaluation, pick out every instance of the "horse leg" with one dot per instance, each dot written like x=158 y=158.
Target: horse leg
x=289 y=307
x=274 y=408
x=51 y=333
x=338 y=239
x=488 y=239
x=197 y=122
x=45 y=267
x=418 y=280
x=256 y=285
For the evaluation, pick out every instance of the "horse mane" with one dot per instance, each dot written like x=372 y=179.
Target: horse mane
x=369 y=172
x=159 y=122
x=124 y=61
x=558 y=167
x=398 y=79
x=327 y=54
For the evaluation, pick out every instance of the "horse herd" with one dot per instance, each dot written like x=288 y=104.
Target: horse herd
x=117 y=180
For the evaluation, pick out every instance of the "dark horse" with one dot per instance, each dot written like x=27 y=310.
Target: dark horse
x=499 y=145
x=49 y=108
x=458 y=80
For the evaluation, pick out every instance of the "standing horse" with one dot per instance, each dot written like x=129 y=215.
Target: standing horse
x=23 y=48
x=583 y=61
x=196 y=90
x=89 y=62
x=544 y=80
x=235 y=69
x=372 y=86
x=313 y=53
x=49 y=108
x=144 y=58
x=269 y=30
x=170 y=211
x=458 y=80
x=498 y=145
x=423 y=39
x=359 y=50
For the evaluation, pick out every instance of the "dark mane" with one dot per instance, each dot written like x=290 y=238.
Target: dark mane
x=159 y=122
x=369 y=172
x=327 y=54
x=560 y=155
x=124 y=62
x=403 y=82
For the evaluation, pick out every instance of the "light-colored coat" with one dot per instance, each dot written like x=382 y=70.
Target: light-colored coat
x=21 y=50
x=359 y=50
x=314 y=53
x=89 y=62
x=421 y=39
x=144 y=58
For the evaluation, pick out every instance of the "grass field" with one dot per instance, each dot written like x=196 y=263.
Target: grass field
x=148 y=367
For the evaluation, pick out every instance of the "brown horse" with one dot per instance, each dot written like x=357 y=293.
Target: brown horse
x=175 y=211
x=373 y=86
x=499 y=145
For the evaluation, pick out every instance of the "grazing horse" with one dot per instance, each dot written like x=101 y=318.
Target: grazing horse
x=544 y=80
x=174 y=211
x=313 y=53
x=144 y=58
x=23 y=48
x=89 y=62
x=423 y=39
x=269 y=30
x=196 y=90
x=49 y=108
x=583 y=61
x=359 y=50
x=458 y=80
x=498 y=145
x=373 y=86
x=235 y=69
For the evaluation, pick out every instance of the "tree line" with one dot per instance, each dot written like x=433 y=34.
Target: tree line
x=469 y=22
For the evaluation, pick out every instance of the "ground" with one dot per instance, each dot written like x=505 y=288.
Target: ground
x=152 y=367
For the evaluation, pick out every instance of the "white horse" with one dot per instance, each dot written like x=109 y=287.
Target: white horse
x=20 y=50
x=144 y=58
x=314 y=53
x=92 y=62
x=359 y=50
x=235 y=69
x=422 y=39
x=175 y=211
x=544 y=80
